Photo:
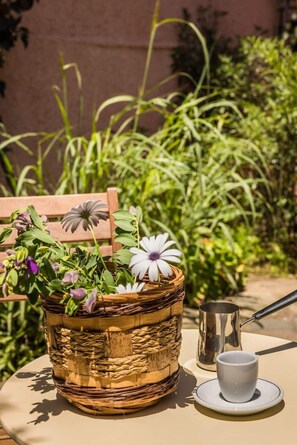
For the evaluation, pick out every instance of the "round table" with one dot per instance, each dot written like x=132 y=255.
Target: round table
x=32 y=413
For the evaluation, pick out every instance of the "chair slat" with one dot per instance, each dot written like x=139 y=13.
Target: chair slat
x=51 y=205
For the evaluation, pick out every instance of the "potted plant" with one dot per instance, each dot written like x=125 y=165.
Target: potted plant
x=113 y=341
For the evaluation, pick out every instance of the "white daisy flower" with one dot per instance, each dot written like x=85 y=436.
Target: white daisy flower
x=128 y=289
x=153 y=259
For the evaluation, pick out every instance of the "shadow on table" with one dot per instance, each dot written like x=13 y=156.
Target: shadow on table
x=46 y=408
x=41 y=381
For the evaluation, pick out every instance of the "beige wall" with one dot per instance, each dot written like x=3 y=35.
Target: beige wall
x=108 y=41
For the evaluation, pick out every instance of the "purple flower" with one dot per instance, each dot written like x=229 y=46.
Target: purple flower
x=91 y=301
x=55 y=266
x=32 y=266
x=78 y=293
x=22 y=222
x=70 y=277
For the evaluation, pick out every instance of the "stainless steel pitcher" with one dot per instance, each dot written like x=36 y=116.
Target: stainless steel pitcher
x=219 y=328
x=219 y=331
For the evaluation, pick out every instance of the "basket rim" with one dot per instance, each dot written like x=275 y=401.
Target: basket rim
x=152 y=293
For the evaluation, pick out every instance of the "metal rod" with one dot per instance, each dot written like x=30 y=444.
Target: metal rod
x=249 y=320
x=274 y=307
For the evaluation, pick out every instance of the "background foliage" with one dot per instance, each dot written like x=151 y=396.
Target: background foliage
x=21 y=336
x=259 y=74
x=262 y=79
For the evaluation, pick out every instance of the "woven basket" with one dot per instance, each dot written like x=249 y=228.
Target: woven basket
x=124 y=356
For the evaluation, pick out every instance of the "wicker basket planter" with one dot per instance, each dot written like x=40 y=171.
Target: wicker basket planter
x=124 y=356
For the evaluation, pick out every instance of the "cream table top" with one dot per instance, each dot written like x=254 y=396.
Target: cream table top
x=33 y=414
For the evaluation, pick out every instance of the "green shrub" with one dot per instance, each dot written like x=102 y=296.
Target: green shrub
x=262 y=79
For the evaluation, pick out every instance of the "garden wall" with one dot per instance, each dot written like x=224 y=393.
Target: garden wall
x=108 y=41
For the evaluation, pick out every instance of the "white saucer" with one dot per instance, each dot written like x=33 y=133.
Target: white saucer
x=267 y=394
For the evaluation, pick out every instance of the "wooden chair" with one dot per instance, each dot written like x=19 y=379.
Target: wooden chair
x=54 y=207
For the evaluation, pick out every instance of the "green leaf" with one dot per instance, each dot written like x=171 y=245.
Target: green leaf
x=126 y=240
x=33 y=234
x=12 y=277
x=2 y=278
x=22 y=254
x=92 y=262
x=125 y=225
x=123 y=256
x=33 y=295
x=35 y=218
x=123 y=215
x=5 y=233
x=124 y=277
x=108 y=278
x=55 y=284
x=47 y=268
x=72 y=306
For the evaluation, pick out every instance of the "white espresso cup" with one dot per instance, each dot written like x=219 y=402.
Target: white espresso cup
x=237 y=375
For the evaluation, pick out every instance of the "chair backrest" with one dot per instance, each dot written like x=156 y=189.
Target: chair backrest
x=54 y=207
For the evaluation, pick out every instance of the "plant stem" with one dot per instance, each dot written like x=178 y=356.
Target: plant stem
x=97 y=246
x=137 y=231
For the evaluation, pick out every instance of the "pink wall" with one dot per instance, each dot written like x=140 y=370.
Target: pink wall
x=108 y=41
